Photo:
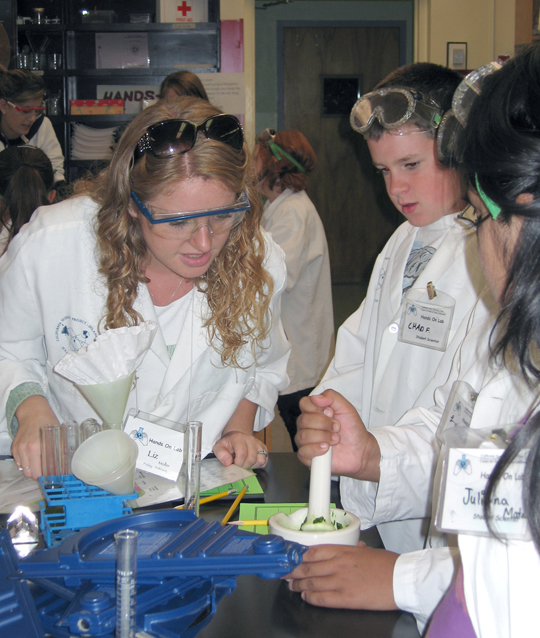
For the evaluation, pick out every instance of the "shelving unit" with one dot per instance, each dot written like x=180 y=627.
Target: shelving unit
x=171 y=47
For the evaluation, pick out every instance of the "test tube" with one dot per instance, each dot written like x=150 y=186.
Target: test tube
x=193 y=467
x=50 y=450
x=70 y=435
x=126 y=582
x=90 y=427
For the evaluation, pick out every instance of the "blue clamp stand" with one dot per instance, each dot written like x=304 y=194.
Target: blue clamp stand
x=185 y=566
x=72 y=505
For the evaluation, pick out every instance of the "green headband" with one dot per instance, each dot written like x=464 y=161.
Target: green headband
x=492 y=207
x=279 y=152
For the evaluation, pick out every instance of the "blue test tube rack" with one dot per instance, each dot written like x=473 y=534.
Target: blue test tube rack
x=71 y=505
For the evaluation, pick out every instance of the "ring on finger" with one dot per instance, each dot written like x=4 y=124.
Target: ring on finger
x=263 y=452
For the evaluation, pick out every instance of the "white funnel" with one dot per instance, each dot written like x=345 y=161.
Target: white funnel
x=107 y=459
x=109 y=399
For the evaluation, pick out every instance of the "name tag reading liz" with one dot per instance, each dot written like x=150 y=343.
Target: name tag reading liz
x=427 y=322
x=463 y=489
x=160 y=448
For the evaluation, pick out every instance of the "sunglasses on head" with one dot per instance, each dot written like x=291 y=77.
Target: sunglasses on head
x=174 y=137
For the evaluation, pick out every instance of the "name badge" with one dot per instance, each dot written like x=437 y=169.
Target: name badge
x=461 y=503
x=426 y=322
x=161 y=449
x=459 y=408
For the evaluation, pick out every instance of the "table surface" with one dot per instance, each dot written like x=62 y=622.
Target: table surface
x=260 y=608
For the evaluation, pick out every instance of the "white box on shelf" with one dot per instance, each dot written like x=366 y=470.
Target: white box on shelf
x=122 y=50
x=179 y=11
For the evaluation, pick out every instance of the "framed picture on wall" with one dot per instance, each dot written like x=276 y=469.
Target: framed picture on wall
x=456 y=55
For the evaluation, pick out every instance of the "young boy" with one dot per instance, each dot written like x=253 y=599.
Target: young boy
x=399 y=345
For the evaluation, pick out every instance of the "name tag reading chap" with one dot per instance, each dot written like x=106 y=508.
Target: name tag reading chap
x=426 y=322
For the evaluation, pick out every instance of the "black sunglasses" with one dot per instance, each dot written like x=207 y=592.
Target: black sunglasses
x=174 y=137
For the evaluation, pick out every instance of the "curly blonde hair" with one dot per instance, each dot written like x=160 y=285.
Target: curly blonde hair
x=237 y=286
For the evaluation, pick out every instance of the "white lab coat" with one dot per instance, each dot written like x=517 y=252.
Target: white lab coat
x=383 y=377
x=501 y=583
x=51 y=302
x=421 y=578
x=306 y=304
x=45 y=139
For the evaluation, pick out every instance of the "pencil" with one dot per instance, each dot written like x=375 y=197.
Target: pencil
x=212 y=497
x=234 y=506
x=247 y=523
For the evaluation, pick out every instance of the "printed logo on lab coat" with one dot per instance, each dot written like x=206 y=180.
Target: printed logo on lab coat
x=73 y=334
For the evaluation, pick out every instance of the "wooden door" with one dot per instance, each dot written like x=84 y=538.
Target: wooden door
x=351 y=199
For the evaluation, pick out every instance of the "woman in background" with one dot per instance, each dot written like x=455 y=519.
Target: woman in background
x=26 y=182
x=283 y=161
x=22 y=117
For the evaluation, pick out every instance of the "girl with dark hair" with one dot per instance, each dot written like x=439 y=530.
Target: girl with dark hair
x=22 y=116
x=26 y=182
x=283 y=161
x=495 y=593
x=169 y=232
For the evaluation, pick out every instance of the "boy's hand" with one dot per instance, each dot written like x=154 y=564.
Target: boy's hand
x=345 y=577
x=328 y=419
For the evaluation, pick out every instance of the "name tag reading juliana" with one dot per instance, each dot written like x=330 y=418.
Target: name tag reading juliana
x=427 y=322
x=461 y=507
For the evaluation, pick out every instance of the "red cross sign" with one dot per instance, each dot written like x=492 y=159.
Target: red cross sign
x=184 y=8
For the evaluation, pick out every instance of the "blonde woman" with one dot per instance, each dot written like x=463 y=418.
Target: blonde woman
x=169 y=232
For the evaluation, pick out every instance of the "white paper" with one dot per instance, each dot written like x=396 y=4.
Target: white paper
x=227 y=91
x=133 y=95
x=122 y=50
x=155 y=489
x=16 y=489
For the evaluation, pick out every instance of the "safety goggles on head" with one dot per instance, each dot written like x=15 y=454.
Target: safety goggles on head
x=455 y=120
x=393 y=107
x=174 y=137
x=267 y=138
x=186 y=224
x=36 y=110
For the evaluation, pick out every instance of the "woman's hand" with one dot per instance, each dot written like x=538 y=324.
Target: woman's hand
x=26 y=447
x=241 y=449
x=346 y=577
x=328 y=419
x=237 y=444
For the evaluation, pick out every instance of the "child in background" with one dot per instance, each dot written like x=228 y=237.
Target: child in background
x=182 y=83
x=26 y=182
x=283 y=161
x=22 y=117
x=384 y=364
